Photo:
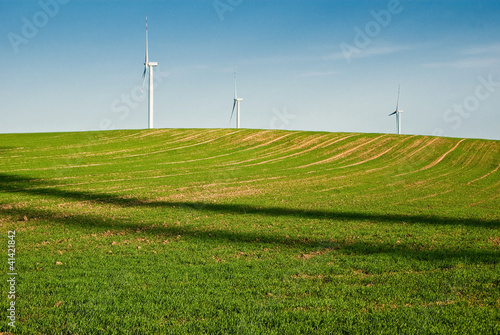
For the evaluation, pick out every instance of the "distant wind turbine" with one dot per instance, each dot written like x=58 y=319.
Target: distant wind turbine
x=398 y=113
x=236 y=104
x=150 y=65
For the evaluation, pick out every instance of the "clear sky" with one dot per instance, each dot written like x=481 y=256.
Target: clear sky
x=307 y=65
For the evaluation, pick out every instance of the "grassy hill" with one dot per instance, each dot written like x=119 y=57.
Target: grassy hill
x=249 y=231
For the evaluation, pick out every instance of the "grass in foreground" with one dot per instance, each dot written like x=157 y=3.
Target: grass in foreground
x=251 y=232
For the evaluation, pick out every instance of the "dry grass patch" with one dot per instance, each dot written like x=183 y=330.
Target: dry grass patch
x=312 y=254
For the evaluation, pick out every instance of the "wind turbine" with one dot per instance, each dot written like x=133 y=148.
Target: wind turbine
x=398 y=113
x=236 y=104
x=149 y=65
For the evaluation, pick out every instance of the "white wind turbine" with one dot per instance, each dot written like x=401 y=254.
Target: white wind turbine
x=236 y=104
x=398 y=114
x=150 y=65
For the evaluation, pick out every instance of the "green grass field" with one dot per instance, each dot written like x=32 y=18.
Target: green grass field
x=225 y=231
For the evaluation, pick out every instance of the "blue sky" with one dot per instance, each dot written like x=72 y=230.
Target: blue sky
x=307 y=65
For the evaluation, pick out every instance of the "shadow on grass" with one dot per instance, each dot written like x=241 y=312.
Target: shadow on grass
x=31 y=186
x=98 y=224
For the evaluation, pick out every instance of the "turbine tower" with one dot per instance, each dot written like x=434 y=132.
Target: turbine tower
x=398 y=114
x=236 y=104
x=149 y=65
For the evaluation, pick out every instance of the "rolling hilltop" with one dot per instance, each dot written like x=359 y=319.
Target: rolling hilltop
x=252 y=231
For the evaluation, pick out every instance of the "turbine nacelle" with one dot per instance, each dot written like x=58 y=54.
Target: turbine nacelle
x=398 y=111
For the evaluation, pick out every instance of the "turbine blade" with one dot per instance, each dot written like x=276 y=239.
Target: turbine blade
x=234 y=105
x=393 y=113
x=235 y=94
x=397 y=104
x=143 y=80
x=146 y=60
